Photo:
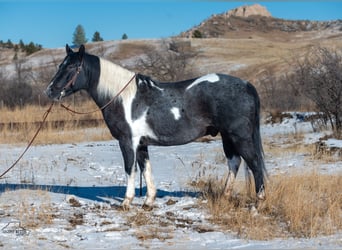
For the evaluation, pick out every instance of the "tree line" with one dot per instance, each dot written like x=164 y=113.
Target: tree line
x=79 y=37
x=29 y=48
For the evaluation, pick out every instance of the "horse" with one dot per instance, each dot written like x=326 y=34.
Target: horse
x=140 y=111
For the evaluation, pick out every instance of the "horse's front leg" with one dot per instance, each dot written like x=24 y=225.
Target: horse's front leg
x=146 y=169
x=129 y=156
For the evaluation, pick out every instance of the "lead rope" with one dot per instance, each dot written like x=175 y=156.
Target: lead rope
x=47 y=112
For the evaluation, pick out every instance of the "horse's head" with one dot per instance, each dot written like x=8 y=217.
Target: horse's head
x=70 y=77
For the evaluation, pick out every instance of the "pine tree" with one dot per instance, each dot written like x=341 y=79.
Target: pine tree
x=9 y=44
x=197 y=34
x=31 y=48
x=79 y=36
x=97 y=37
x=124 y=36
x=21 y=44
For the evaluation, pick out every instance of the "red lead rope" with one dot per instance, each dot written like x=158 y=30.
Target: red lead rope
x=32 y=140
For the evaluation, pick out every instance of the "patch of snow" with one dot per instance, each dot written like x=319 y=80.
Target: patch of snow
x=334 y=143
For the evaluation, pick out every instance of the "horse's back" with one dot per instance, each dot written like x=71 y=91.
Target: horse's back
x=227 y=92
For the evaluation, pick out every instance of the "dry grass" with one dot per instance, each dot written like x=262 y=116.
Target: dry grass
x=301 y=205
x=310 y=204
x=35 y=209
x=19 y=125
x=148 y=227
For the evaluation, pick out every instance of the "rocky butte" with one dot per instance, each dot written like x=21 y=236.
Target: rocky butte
x=249 y=10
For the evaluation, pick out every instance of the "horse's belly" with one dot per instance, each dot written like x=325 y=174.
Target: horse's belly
x=176 y=132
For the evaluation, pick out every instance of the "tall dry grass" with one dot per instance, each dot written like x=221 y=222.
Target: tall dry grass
x=300 y=205
x=20 y=124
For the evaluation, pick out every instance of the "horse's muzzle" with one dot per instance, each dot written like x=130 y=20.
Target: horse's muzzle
x=55 y=95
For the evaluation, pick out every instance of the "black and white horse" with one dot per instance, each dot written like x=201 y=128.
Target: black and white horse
x=148 y=112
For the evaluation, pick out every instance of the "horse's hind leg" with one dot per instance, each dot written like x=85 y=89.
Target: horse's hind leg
x=234 y=161
x=233 y=164
x=146 y=169
x=254 y=161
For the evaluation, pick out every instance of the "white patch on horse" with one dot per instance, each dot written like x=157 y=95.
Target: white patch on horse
x=140 y=127
x=206 y=78
x=113 y=78
x=176 y=113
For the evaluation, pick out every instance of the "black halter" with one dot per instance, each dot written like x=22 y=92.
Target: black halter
x=72 y=81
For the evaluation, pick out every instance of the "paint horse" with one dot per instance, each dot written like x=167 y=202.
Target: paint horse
x=146 y=112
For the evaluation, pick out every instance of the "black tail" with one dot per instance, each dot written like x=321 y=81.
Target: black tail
x=257 y=139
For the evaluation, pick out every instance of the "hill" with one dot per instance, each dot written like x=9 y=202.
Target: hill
x=249 y=21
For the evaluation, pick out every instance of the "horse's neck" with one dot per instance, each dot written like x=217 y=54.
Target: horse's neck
x=113 y=78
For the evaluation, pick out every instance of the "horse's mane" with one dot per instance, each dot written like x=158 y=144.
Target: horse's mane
x=113 y=78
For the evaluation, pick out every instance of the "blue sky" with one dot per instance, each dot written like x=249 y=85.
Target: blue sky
x=52 y=23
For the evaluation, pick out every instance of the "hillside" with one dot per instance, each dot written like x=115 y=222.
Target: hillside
x=256 y=20
x=245 y=42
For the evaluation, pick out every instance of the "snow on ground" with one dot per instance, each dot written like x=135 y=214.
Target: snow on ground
x=69 y=194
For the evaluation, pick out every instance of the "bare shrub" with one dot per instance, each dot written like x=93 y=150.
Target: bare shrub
x=170 y=63
x=277 y=93
x=16 y=91
x=319 y=77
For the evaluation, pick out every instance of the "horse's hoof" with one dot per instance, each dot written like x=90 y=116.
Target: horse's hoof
x=124 y=208
x=227 y=194
x=147 y=207
x=126 y=204
x=260 y=204
x=254 y=211
x=261 y=195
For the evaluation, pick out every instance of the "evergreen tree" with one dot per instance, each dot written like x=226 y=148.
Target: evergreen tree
x=31 y=48
x=97 y=37
x=9 y=44
x=21 y=44
x=197 y=34
x=124 y=36
x=79 y=36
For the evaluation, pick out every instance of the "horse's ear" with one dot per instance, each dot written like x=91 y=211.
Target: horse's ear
x=68 y=49
x=81 y=51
